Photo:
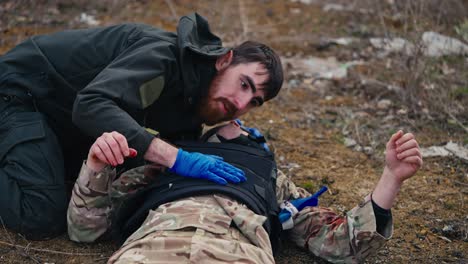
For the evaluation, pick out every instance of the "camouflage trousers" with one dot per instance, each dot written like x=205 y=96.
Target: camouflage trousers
x=192 y=245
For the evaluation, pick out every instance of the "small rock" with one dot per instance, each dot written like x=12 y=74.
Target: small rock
x=384 y=104
x=402 y=111
x=293 y=83
x=349 y=142
x=447 y=228
x=438 y=45
x=333 y=7
x=368 y=150
x=295 y=11
x=90 y=20
x=393 y=45
x=308 y=81
x=357 y=148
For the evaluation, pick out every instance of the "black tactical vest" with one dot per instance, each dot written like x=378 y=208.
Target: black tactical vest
x=258 y=192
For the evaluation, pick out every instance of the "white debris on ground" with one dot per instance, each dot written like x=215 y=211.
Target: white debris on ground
x=90 y=20
x=438 y=45
x=319 y=68
x=449 y=149
x=392 y=45
x=433 y=44
x=306 y=2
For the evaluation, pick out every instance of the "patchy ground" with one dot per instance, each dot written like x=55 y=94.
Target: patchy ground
x=312 y=121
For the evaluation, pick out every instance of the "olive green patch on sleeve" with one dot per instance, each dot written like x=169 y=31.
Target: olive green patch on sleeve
x=151 y=90
x=152 y=132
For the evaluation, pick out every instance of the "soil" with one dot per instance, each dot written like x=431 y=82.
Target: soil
x=306 y=125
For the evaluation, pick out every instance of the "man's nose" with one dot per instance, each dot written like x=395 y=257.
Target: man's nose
x=241 y=102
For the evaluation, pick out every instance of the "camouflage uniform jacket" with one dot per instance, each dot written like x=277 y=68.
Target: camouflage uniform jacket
x=198 y=229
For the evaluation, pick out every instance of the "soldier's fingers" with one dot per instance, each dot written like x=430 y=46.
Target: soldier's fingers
x=99 y=155
x=106 y=151
x=414 y=160
x=115 y=148
x=407 y=145
x=404 y=138
x=408 y=153
x=122 y=141
x=395 y=137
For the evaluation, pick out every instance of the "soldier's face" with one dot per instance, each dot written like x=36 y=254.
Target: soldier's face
x=234 y=91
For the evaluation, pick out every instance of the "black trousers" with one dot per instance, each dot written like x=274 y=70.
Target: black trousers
x=33 y=196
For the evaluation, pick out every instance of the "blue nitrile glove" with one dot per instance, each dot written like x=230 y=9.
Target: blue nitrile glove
x=210 y=167
x=253 y=132
x=291 y=208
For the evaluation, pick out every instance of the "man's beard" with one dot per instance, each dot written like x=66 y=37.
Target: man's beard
x=208 y=108
x=209 y=112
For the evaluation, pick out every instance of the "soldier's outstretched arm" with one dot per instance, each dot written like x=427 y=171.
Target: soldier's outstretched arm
x=360 y=233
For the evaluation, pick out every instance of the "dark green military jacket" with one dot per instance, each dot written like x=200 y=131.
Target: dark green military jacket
x=123 y=78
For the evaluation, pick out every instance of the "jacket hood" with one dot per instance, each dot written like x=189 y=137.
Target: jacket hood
x=195 y=41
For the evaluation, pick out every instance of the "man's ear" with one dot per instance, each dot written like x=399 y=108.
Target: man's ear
x=224 y=61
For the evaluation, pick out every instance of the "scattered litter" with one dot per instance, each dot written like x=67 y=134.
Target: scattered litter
x=437 y=45
x=90 y=20
x=319 y=68
x=448 y=150
x=392 y=45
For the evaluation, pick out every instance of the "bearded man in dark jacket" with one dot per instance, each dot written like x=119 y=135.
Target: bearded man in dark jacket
x=59 y=92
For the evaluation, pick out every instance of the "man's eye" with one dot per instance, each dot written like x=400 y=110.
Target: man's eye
x=244 y=85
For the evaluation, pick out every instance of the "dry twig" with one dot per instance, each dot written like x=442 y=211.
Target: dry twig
x=244 y=19
x=173 y=11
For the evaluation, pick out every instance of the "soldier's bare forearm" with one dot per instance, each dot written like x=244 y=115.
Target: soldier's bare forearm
x=161 y=152
x=387 y=189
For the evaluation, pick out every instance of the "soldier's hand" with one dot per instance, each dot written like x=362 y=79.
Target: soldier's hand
x=110 y=148
x=213 y=168
x=403 y=157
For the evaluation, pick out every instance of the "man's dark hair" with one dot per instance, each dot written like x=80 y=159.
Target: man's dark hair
x=251 y=51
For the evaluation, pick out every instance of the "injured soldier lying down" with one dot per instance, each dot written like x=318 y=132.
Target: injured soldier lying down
x=164 y=218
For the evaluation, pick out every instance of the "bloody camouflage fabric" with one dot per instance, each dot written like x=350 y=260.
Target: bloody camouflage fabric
x=215 y=228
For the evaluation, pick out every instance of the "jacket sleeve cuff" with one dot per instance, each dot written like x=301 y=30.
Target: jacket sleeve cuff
x=141 y=142
x=363 y=227
x=96 y=181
